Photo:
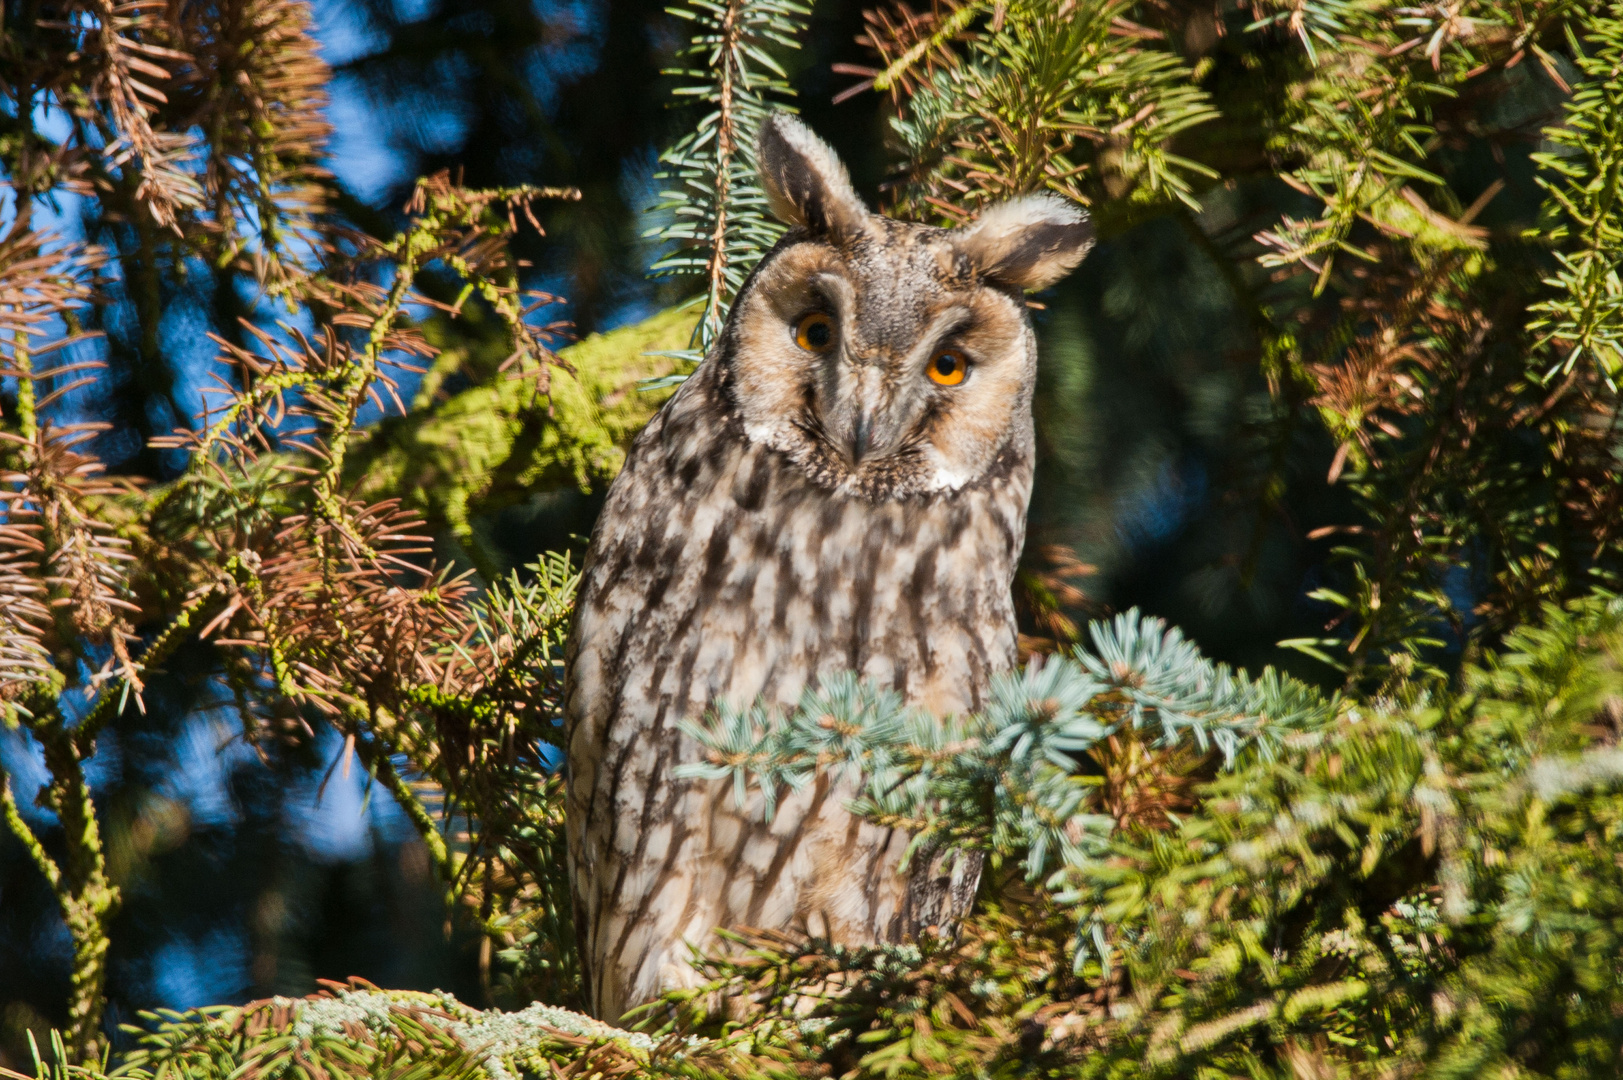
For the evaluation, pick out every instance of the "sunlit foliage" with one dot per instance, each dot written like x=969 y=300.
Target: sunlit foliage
x=1407 y=870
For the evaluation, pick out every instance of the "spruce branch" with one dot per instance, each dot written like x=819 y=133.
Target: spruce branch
x=255 y=86
x=65 y=598
x=933 y=45
x=1583 y=216
x=1008 y=780
x=720 y=227
x=1009 y=99
x=323 y=604
x=331 y=597
x=86 y=897
x=428 y=829
x=1397 y=888
x=26 y=836
x=121 y=45
x=354 y=1029
x=1364 y=118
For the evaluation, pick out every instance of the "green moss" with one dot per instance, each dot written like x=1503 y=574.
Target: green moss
x=491 y=445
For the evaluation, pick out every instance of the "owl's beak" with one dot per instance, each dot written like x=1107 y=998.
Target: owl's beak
x=862 y=423
x=861 y=432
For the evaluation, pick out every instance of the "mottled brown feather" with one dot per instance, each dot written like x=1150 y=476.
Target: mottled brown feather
x=754 y=543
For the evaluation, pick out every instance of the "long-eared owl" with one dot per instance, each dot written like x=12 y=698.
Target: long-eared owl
x=840 y=486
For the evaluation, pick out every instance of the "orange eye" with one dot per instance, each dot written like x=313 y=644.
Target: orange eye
x=948 y=367
x=815 y=333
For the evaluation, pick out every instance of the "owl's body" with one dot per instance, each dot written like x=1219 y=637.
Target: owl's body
x=798 y=508
x=752 y=584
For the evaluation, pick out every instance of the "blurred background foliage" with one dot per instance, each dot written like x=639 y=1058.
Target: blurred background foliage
x=1302 y=391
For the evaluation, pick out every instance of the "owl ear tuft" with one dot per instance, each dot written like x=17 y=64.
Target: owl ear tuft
x=1030 y=242
x=804 y=180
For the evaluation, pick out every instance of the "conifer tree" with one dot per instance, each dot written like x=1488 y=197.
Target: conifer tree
x=1195 y=871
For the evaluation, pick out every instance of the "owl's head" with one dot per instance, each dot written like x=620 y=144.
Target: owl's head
x=889 y=359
